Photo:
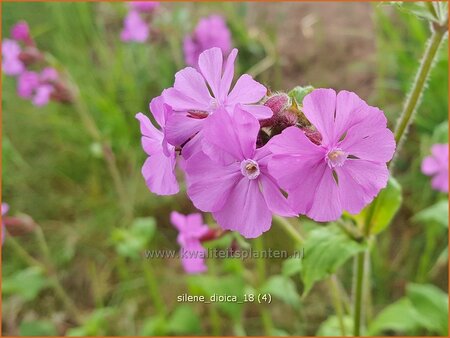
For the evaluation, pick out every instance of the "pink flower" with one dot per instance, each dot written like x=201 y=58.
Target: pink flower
x=191 y=229
x=21 y=32
x=11 y=63
x=37 y=87
x=192 y=102
x=230 y=178
x=210 y=32
x=436 y=165
x=27 y=84
x=159 y=168
x=347 y=169
x=135 y=28
x=5 y=208
x=144 y=6
x=49 y=75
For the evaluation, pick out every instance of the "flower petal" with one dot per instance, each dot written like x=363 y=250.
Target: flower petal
x=159 y=110
x=180 y=128
x=369 y=139
x=246 y=91
x=430 y=166
x=359 y=182
x=440 y=181
x=178 y=220
x=209 y=183
x=152 y=138
x=227 y=76
x=230 y=137
x=259 y=111
x=189 y=92
x=159 y=173
x=326 y=204
x=210 y=64
x=275 y=200
x=245 y=210
x=319 y=108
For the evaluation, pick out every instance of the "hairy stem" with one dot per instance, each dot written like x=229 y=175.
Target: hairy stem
x=413 y=98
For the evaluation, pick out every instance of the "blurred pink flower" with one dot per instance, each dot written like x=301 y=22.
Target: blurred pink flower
x=49 y=75
x=135 y=28
x=347 y=169
x=21 y=32
x=229 y=177
x=11 y=63
x=37 y=87
x=144 y=6
x=436 y=165
x=191 y=229
x=159 y=168
x=210 y=32
x=192 y=102
x=5 y=208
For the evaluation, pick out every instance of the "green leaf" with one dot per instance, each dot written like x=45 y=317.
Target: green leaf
x=298 y=93
x=437 y=213
x=37 y=328
x=400 y=317
x=184 y=321
x=332 y=328
x=431 y=304
x=291 y=266
x=132 y=242
x=388 y=202
x=27 y=283
x=326 y=249
x=282 y=288
x=156 y=326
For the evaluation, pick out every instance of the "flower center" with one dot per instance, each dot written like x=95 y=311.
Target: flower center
x=336 y=157
x=250 y=169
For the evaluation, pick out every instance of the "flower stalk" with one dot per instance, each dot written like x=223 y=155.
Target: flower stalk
x=439 y=31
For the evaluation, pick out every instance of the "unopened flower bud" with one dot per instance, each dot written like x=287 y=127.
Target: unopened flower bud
x=278 y=103
x=21 y=32
x=31 y=55
x=313 y=135
x=19 y=225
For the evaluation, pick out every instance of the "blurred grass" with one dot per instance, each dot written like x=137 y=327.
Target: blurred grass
x=52 y=170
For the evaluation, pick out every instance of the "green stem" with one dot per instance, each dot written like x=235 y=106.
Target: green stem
x=153 y=287
x=357 y=307
x=413 y=99
x=337 y=303
x=288 y=227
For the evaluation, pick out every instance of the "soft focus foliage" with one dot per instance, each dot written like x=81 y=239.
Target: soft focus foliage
x=98 y=226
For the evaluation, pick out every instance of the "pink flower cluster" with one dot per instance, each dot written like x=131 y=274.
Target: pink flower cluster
x=136 y=26
x=210 y=32
x=436 y=165
x=21 y=58
x=247 y=156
